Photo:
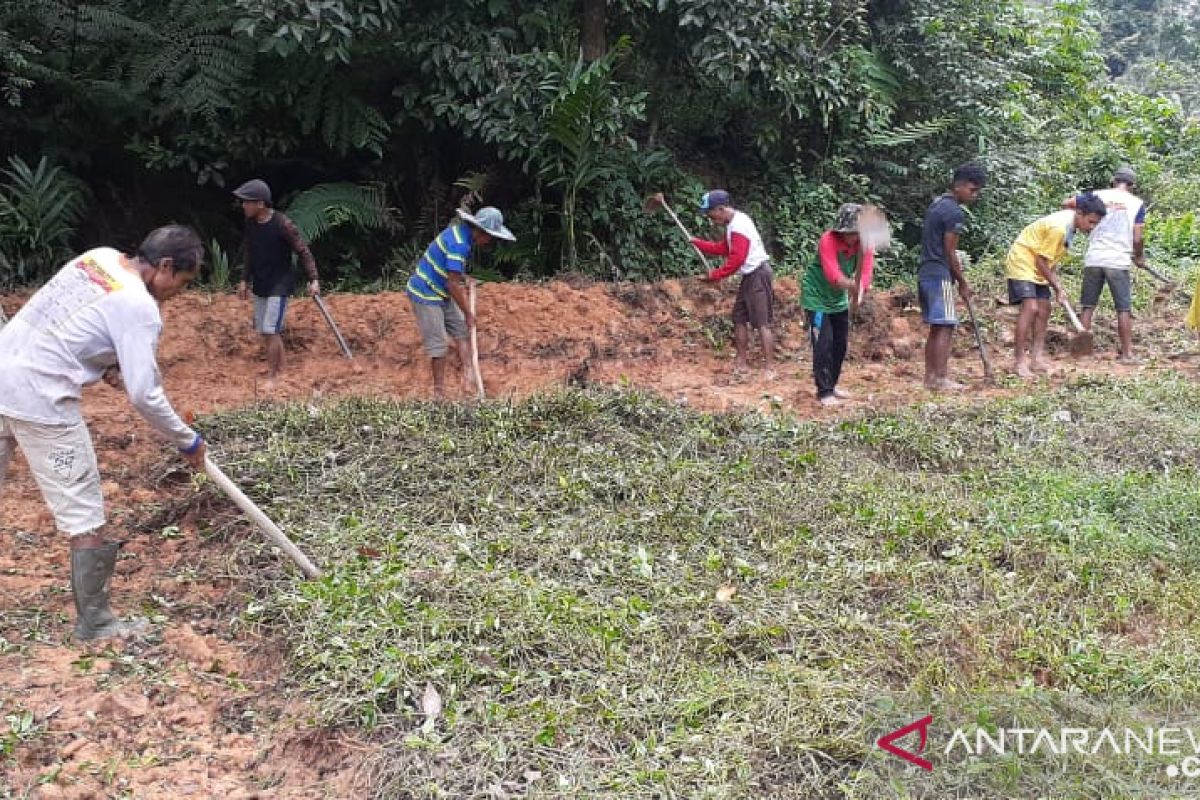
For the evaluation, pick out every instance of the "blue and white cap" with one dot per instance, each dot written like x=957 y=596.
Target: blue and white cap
x=714 y=199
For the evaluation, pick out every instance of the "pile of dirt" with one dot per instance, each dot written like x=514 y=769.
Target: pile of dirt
x=199 y=712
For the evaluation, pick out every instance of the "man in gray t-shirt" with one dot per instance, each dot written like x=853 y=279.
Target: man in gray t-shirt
x=940 y=272
x=97 y=315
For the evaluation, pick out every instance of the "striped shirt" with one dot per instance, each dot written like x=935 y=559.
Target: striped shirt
x=447 y=253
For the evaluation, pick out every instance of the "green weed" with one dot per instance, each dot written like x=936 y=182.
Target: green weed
x=617 y=597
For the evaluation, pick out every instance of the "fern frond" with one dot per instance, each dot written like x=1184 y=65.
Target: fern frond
x=351 y=124
x=196 y=62
x=344 y=121
x=909 y=133
x=328 y=205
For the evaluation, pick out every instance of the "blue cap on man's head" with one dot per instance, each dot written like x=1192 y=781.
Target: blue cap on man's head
x=714 y=199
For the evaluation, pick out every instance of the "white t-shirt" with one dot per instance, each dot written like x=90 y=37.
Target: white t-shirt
x=1111 y=242
x=757 y=256
x=94 y=313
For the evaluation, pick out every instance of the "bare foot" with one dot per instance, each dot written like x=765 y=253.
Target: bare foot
x=769 y=375
x=1023 y=370
x=1042 y=365
x=1129 y=360
x=271 y=385
x=947 y=385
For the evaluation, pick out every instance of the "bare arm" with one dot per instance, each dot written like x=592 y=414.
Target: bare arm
x=456 y=284
x=1046 y=268
x=1139 y=244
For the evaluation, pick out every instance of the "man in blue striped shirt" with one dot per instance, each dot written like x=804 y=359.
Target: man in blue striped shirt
x=439 y=279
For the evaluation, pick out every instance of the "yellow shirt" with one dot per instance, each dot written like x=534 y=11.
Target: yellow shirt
x=1048 y=237
x=1193 y=315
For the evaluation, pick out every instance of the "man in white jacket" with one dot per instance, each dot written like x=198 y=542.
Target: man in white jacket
x=99 y=313
x=1115 y=244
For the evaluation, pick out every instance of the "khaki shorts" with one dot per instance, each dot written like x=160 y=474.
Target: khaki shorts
x=63 y=463
x=436 y=322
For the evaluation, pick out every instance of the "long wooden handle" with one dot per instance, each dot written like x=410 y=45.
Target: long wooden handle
x=1066 y=304
x=260 y=519
x=333 y=326
x=699 y=252
x=1157 y=274
x=1162 y=278
x=475 y=341
x=987 y=362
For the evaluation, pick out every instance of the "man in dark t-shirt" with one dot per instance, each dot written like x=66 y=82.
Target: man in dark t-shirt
x=271 y=239
x=940 y=272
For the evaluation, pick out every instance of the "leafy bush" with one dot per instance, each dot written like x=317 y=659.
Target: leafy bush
x=39 y=208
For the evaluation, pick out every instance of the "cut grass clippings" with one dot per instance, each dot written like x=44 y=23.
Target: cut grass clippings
x=614 y=597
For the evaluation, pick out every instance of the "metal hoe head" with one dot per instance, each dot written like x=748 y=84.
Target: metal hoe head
x=1083 y=344
x=653 y=203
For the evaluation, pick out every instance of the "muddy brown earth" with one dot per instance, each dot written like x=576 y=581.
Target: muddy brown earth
x=200 y=709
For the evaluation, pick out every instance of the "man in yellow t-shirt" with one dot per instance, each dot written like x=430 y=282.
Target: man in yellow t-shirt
x=1031 y=275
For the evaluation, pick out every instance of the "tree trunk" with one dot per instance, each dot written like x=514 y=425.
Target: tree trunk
x=594 y=44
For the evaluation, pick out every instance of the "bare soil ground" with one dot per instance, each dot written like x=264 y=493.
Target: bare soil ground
x=199 y=710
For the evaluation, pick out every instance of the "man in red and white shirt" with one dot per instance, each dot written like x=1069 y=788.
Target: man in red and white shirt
x=744 y=254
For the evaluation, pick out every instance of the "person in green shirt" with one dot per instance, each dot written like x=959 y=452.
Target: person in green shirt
x=842 y=265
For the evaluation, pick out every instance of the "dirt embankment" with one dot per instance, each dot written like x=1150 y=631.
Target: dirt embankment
x=199 y=711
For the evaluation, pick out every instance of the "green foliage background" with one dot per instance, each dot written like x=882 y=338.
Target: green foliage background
x=159 y=108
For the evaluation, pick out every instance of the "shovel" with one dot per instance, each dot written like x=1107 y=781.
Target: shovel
x=333 y=326
x=260 y=519
x=1083 y=343
x=657 y=201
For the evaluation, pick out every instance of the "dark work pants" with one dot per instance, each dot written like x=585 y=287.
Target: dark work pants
x=829 y=334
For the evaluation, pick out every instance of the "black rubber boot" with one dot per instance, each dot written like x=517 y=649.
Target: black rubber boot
x=91 y=569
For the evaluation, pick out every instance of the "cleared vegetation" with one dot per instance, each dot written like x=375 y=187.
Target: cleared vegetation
x=604 y=595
